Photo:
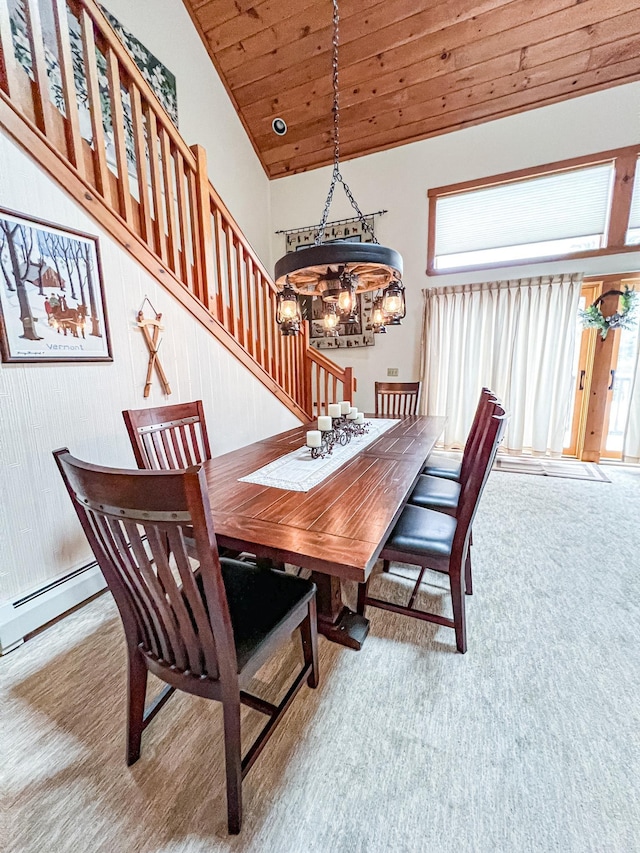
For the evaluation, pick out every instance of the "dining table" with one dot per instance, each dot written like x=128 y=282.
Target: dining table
x=337 y=528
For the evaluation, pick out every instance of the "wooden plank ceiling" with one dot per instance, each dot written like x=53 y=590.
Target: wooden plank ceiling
x=408 y=70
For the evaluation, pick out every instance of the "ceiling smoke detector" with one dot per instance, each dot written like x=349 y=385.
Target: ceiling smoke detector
x=279 y=126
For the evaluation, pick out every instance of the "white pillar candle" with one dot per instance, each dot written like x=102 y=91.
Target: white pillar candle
x=353 y=414
x=353 y=410
x=314 y=438
x=324 y=423
x=360 y=418
x=334 y=410
x=344 y=407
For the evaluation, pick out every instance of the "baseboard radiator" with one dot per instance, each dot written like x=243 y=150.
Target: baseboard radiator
x=36 y=608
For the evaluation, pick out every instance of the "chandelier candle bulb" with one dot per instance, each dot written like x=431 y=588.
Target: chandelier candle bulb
x=314 y=438
x=335 y=410
x=324 y=423
x=345 y=407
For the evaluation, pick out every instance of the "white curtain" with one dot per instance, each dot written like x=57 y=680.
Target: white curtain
x=631 y=451
x=515 y=337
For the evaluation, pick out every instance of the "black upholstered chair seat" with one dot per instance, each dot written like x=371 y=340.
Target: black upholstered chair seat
x=435 y=493
x=259 y=601
x=443 y=466
x=422 y=531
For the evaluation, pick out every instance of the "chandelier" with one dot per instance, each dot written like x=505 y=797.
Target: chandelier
x=338 y=271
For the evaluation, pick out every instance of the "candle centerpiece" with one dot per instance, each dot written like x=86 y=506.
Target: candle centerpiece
x=320 y=441
x=341 y=423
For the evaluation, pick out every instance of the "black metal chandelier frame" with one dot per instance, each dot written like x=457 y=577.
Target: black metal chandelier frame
x=338 y=271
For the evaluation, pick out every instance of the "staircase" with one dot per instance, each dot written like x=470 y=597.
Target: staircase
x=114 y=148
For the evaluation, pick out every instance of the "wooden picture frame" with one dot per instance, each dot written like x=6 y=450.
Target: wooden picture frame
x=52 y=305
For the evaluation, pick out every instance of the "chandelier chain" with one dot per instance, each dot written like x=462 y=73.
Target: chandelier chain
x=336 y=176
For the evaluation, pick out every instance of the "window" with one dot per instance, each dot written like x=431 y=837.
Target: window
x=564 y=209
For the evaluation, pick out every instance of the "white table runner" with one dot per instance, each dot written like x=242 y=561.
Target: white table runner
x=298 y=472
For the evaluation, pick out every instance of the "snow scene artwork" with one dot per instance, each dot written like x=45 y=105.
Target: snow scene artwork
x=51 y=299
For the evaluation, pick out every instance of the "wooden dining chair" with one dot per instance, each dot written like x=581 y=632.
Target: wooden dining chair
x=206 y=629
x=443 y=494
x=168 y=437
x=397 y=399
x=451 y=469
x=437 y=541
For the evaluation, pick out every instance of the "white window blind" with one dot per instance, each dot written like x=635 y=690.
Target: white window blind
x=521 y=215
x=633 y=234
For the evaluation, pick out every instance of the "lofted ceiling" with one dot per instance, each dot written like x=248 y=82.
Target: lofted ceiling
x=408 y=69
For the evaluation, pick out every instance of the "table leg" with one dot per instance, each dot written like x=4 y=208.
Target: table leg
x=336 y=621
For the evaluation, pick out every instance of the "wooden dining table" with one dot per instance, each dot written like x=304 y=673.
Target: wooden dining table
x=336 y=529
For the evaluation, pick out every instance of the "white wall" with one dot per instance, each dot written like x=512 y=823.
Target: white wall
x=43 y=407
x=205 y=114
x=399 y=179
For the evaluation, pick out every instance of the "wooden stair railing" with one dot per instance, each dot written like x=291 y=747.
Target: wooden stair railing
x=117 y=152
x=324 y=380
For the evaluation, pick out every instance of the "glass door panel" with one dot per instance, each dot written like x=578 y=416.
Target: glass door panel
x=581 y=375
x=621 y=382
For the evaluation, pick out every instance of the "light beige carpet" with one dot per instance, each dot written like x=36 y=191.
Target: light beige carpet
x=529 y=742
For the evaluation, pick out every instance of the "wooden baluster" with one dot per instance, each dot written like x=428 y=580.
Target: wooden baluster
x=139 y=148
x=8 y=62
x=260 y=321
x=300 y=368
x=289 y=346
x=160 y=237
x=99 y=148
x=40 y=89
x=72 y=122
x=252 y=319
x=295 y=375
x=220 y=241
x=326 y=387
x=277 y=339
x=232 y=322
x=199 y=272
x=293 y=353
x=201 y=224
x=286 y=372
x=183 y=221
x=307 y=367
x=169 y=201
x=223 y=281
x=117 y=123
x=267 y=328
x=334 y=389
x=279 y=343
x=239 y=249
x=318 y=395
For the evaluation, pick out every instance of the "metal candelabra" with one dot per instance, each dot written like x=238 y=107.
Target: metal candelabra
x=341 y=432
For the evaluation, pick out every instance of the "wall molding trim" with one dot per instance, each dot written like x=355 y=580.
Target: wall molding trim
x=30 y=611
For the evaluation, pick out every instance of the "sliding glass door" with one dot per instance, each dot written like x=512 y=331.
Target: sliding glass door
x=602 y=381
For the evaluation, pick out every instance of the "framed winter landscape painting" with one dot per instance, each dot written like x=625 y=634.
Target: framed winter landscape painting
x=51 y=299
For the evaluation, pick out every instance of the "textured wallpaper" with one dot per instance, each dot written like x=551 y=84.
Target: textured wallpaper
x=43 y=407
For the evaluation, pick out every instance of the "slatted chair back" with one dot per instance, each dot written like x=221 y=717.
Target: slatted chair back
x=490 y=436
x=397 y=399
x=168 y=437
x=485 y=409
x=135 y=522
